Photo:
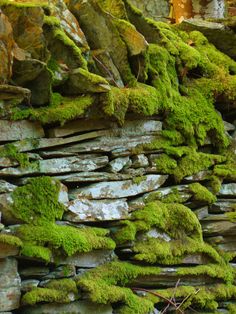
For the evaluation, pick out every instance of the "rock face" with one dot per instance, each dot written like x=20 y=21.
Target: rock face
x=117 y=173
x=10 y=285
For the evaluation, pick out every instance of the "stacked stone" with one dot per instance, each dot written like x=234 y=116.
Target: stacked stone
x=102 y=170
x=102 y=181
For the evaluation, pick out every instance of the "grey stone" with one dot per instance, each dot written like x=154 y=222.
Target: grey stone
x=58 y=165
x=79 y=307
x=228 y=189
x=78 y=126
x=222 y=206
x=119 y=189
x=140 y=161
x=85 y=210
x=229 y=126
x=29 y=284
x=118 y=164
x=34 y=272
x=19 y=130
x=9 y=285
x=200 y=176
x=88 y=260
x=6 y=187
x=31 y=144
x=63 y=271
x=201 y=213
x=216 y=227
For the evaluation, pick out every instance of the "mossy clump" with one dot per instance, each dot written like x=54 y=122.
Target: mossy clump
x=199 y=297
x=11 y=152
x=201 y=193
x=60 y=110
x=37 y=201
x=65 y=284
x=157 y=251
x=10 y=240
x=47 y=295
x=175 y=219
x=106 y=284
x=36 y=251
x=165 y=164
x=64 y=240
x=140 y=99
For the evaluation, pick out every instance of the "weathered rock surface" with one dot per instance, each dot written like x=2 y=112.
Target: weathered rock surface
x=58 y=165
x=9 y=285
x=79 y=307
x=6 y=187
x=88 y=260
x=228 y=190
x=85 y=210
x=119 y=189
x=18 y=130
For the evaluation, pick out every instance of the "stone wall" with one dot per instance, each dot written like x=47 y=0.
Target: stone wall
x=117 y=163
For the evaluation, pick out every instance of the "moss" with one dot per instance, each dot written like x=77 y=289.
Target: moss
x=29 y=4
x=106 y=284
x=199 y=297
x=65 y=239
x=194 y=162
x=114 y=8
x=138 y=180
x=36 y=251
x=68 y=109
x=65 y=284
x=176 y=220
x=51 y=21
x=226 y=171
x=232 y=216
x=140 y=99
x=31 y=202
x=157 y=251
x=10 y=151
x=10 y=239
x=165 y=164
x=201 y=193
x=224 y=272
x=60 y=35
x=38 y=295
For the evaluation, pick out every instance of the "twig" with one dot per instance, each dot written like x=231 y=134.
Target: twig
x=106 y=70
x=159 y=296
x=172 y=298
x=186 y=298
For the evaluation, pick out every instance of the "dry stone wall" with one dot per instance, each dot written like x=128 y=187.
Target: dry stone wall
x=117 y=163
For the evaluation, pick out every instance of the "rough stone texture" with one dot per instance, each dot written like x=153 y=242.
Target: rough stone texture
x=158 y=10
x=58 y=165
x=209 y=9
x=29 y=284
x=18 y=130
x=118 y=164
x=88 y=260
x=79 y=307
x=9 y=285
x=228 y=189
x=120 y=189
x=7 y=250
x=86 y=210
x=6 y=187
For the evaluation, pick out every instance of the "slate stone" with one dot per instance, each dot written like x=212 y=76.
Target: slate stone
x=139 y=161
x=81 y=210
x=29 y=284
x=118 y=164
x=34 y=272
x=228 y=189
x=9 y=285
x=19 y=130
x=78 y=307
x=119 y=189
x=6 y=187
x=57 y=165
x=89 y=259
x=7 y=250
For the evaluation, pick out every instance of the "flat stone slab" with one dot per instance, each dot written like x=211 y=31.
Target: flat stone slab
x=119 y=189
x=9 y=285
x=79 y=307
x=7 y=250
x=228 y=189
x=81 y=210
x=19 y=130
x=222 y=206
x=89 y=259
x=222 y=227
x=58 y=165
